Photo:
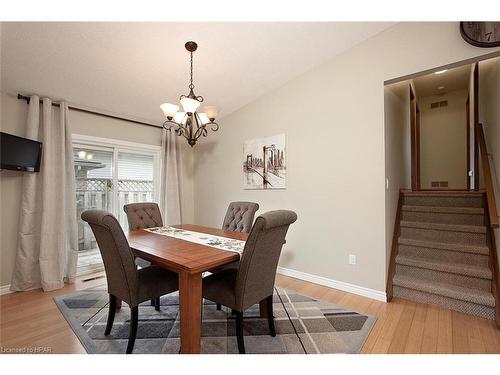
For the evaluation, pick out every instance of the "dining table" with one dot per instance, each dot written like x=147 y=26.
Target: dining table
x=190 y=261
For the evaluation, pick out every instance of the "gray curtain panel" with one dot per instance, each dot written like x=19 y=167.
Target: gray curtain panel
x=47 y=246
x=170 y=176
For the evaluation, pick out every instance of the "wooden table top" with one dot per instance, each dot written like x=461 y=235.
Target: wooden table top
x=183 y=256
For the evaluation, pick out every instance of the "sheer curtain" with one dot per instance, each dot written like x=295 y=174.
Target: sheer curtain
x=47 y=246
x=170 y=187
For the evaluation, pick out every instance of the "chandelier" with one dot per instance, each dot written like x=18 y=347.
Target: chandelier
x=191 y=123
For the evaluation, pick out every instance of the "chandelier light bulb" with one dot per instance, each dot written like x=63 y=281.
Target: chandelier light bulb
x=180 y=117
x=81 y=154
x=190 y=105
x=169 y=110
x=211 y=111
x=203 y=118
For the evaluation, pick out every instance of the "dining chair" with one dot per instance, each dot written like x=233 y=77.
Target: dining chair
x=125 y=281
x=141 y=216
x=253 y=281
x=239 y=216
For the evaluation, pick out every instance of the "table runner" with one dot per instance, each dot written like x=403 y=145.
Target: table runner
x=219 y=242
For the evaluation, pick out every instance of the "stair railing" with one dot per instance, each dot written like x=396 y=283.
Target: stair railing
x=491 y=218
x=488 y=180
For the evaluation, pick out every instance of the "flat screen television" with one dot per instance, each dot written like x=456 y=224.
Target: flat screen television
x=19 y=154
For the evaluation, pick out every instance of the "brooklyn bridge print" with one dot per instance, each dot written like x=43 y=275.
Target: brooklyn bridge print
x=264 y=163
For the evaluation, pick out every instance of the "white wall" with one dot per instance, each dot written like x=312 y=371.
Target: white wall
x=489 y=116
x=13 y=119
x=333 y=118
x=443 y=140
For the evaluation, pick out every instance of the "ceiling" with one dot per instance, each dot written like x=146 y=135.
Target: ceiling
x=131 y=68
x=453 y=79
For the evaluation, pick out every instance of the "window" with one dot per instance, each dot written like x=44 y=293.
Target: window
x=110 y=174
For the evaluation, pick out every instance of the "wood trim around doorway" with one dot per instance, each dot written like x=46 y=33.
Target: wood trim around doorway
x=476 y=122
x=467 y=135
x=415 y=141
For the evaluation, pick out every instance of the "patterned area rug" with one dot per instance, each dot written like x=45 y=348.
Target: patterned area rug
x=303 y=325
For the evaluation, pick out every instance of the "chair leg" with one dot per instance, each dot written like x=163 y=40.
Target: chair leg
x=134 y=320
x=157 y=304
x=270 y=317
x=153 y=302
x=111 y=314
x=219 y=307
x=239 y=332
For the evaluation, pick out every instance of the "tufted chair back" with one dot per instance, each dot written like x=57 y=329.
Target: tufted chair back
x=143 y=215
x=239 y=216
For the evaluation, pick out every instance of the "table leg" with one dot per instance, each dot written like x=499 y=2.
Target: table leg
x=263 y=308
x=190 y=309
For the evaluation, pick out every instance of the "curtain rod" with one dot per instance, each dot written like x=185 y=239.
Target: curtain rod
x=78 y=109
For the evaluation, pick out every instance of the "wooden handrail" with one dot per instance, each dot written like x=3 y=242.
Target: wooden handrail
x=488 y=181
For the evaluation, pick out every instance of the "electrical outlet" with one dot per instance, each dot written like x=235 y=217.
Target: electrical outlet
x=352 y=259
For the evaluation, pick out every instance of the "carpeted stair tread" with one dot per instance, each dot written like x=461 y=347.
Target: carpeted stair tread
x=444 y=227
x=444 y=209
x=444 y=199
x=442 y=194
x=480 y=297
x=449 y=267
x=464 y=248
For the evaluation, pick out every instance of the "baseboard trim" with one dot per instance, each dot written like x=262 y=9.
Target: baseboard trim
x=340 y=285
x=5 y=289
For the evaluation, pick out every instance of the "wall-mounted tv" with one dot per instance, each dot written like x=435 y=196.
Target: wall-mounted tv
x=19 y=154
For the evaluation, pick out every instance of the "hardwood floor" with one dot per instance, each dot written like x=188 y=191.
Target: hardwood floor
x=31 y=319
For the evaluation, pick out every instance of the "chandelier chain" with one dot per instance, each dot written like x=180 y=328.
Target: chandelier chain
x=191 y=86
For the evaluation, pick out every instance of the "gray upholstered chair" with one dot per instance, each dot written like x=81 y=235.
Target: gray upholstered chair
x=141 y=216
x=125 y=281
x=239 y=216
x=253 y=280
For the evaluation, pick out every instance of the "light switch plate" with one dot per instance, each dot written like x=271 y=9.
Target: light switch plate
x=352 y=259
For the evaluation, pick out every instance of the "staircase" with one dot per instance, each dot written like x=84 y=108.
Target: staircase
x=442 y=256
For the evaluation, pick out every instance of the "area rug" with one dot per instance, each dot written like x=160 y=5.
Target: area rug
x=303 y=326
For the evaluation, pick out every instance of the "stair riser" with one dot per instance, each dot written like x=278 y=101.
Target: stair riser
x=443 y=218
x=426 y=253
x=482 y=311
x=444 y=277
x=443 y=236
x=475 y=201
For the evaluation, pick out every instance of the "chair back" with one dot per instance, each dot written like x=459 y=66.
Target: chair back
x=121 y=271
x=259 y=260
x=143 y=215
x=239 y=216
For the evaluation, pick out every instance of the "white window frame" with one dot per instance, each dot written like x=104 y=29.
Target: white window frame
x=116 y=146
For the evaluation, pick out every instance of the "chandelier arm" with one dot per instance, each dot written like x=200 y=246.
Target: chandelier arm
x=169 y=124
x=199 y=132
x=212 y=123
x=179 y=129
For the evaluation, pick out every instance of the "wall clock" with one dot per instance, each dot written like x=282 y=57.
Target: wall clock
x=481 y=34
